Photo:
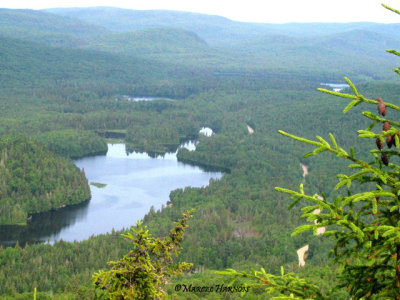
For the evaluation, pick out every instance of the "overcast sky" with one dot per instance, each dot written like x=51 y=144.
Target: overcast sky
x=266 y=11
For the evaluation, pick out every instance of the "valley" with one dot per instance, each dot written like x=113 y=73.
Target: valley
x=77 y=81
x=126 y=196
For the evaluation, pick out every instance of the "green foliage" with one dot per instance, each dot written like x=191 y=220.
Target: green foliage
x=296 y=288
x=159 y=41
x=158 y=137
x=363 y=225
x=73 y=143
x=242 y=221
x=29 y=296
x=33 y=179
x=74 y=75
x=98 y=184
x=216 y=30
x=142 y=272
x=39 y=26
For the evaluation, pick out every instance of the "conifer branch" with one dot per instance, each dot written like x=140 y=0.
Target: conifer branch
x=366 y=226
x=374 y=117
x=299 y=138
x=288 y=285
x=352 y=86
x=337 y=94
x=392 y=9
x=393 y=52
x=358 y=97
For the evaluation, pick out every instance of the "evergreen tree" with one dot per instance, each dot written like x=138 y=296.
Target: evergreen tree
x=365 y=225
x=142 y=272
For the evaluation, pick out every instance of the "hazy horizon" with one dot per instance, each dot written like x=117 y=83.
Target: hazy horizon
x=286 y=11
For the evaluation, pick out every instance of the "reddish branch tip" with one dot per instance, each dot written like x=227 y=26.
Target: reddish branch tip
x=390 y=140
x=381 y=107
x=385 y=159
x=386 y=126
x=379 y=144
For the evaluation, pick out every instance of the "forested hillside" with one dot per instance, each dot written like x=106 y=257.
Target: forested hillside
x=176 y=41
x=61 y=72
x=35 y=180
x=46 y=28
x=266 y=81
x=239 y=220
x=216 y=30
x=335 y=49
x=73 y=143
x=164 y=41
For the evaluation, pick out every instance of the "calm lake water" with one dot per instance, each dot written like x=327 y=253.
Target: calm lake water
x=336 y=87
x=138 y=99
x=134 y=183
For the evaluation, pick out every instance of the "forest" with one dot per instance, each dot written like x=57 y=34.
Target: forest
x=34 y=179
x=63 y=77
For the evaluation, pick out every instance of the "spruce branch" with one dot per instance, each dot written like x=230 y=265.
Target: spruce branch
x=391 y=9
x=393 y=52
x=290 y=286
x=365 y=226
x=358 y=98
x=374 y=117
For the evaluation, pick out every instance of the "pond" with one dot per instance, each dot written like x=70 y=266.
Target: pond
x=126 y=187
x=336 y=87
x=207 y=131
x=138 y=99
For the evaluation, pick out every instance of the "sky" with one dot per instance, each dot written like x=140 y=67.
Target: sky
x=264 y=11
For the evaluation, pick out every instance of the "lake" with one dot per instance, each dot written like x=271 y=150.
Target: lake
x=138 y=99
x=336 y=87
x=133 y=183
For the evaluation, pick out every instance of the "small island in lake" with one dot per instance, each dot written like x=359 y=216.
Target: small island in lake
x=98 y=184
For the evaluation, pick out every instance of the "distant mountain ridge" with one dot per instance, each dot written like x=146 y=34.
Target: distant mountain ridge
x=372 y=43
x=215 y=30
x=25 y=63
x=111 y=39
x=46 y=28
x=149 y=41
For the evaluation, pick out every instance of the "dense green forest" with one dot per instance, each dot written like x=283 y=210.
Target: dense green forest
x=215 y=30
x=34 y=180
x=239 y=219
x=61 y=97
x=73 y=143
x=46 y=28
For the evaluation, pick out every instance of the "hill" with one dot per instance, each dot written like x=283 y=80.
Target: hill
x=186 y=49
x=333 y=52
x=33 y=180
x=236 y=47
x=73 y=143
x=76 y=76
x=267 y=80
x=150 y=41
x=215 y=30
x=65 y=71
x=373 y=43
x=43 y=27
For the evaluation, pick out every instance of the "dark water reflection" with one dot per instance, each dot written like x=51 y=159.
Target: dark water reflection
x=43 y=224
x=134 y=183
